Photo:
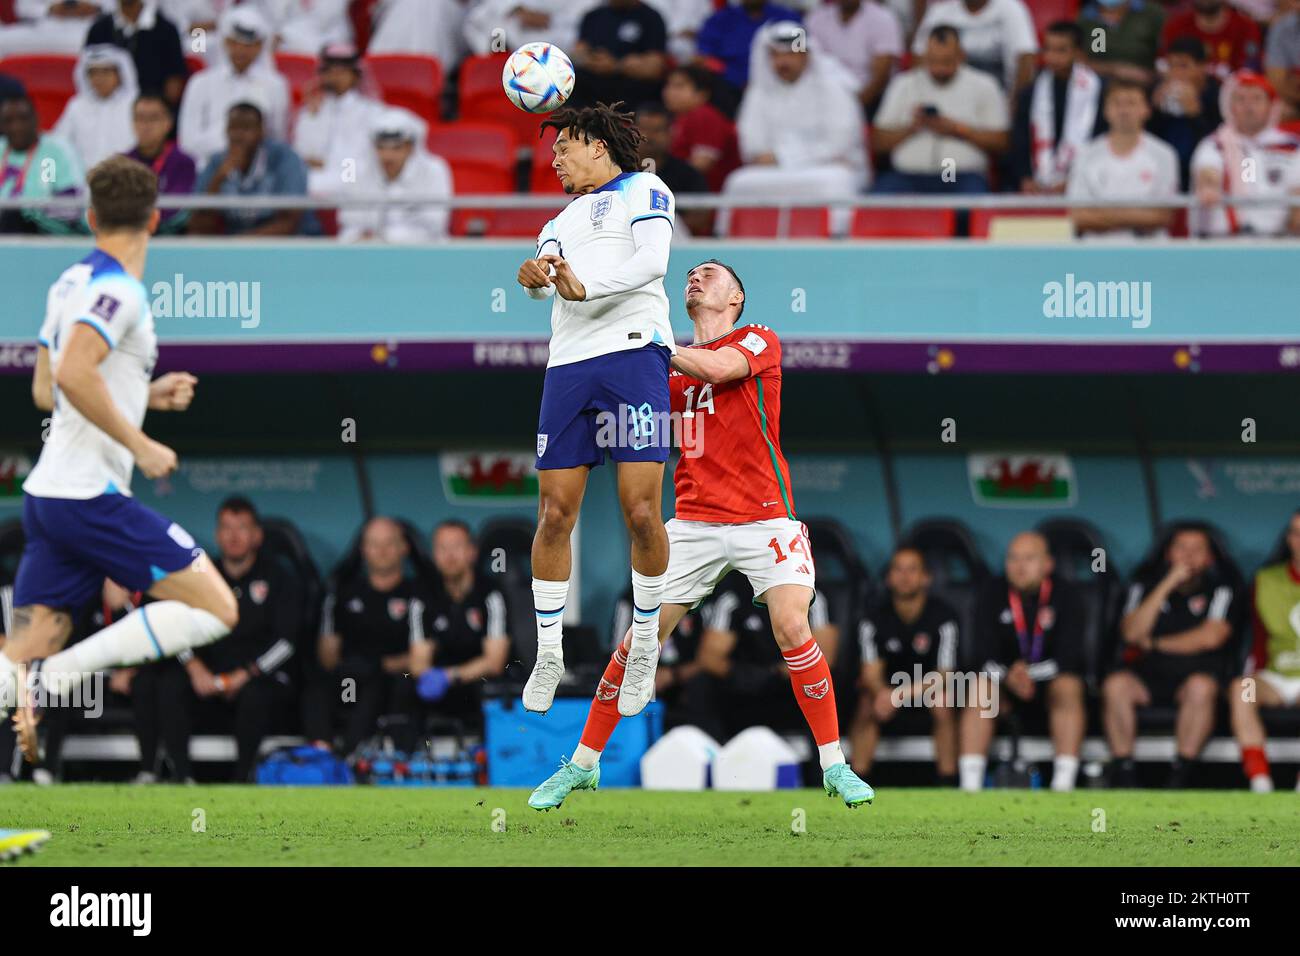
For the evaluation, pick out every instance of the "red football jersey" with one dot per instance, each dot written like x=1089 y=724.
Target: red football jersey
x=731 y=469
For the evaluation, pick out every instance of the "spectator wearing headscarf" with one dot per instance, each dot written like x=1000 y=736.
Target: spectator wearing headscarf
x=96 y=122
x=245 y=76
x=1248 y=156
x=333 y=125
x=398 y=165
x=800 y=126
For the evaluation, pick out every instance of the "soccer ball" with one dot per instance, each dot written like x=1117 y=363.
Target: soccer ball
x=538 y=77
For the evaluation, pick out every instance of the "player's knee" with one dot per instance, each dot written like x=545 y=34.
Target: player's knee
x=555 y=517
x=643 y=519
x=791 y=628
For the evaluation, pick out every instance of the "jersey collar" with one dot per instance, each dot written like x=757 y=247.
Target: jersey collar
x=612 y=184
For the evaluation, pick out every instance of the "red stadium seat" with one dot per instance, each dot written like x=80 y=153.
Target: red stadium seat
x=299 y=69
x=982 y=219
x=484 y=144
x=481 y=98
x=1046 y=12
x=541 y=177
x=195 y=63
x=481 y=156
x=410 y=81
x=7 y=14
x=48 y=78
x=801 y=223
x=516 y=223
x=903 y=223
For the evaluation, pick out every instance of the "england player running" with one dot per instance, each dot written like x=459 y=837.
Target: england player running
x=735 y=510
x=603 y=259
x=79 y=519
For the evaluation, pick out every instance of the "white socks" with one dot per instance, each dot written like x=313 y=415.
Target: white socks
x=585 y=757
x=1065 y=769
x=646 y=594
x=970 y=771
x=830 y=754
x=548 y=606
x=149 y=633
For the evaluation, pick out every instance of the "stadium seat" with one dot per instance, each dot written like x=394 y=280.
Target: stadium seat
x=1073 y=543
x=481 y=99
x=956 y=566
x=481 y=156
x=765 y=223
x=49 y=80
x=1046 y=12
x=299 y=69
x=903 y=224
x=195 y=63
x=983 y=222
x=517 y=223
x=283 y=539
x=489 y=145
x=411 y=81
x=512 y=540
x=541 y=177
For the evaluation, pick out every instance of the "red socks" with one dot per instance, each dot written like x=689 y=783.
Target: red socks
x=810 y=676
x=1254 y=762
x=603 y=716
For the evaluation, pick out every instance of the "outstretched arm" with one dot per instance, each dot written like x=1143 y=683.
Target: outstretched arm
x=712 y=365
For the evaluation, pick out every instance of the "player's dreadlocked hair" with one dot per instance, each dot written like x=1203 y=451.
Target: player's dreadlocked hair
x=603 y=122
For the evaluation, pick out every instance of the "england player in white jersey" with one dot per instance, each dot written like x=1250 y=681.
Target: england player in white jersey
x=80 y=522
x=602 y=259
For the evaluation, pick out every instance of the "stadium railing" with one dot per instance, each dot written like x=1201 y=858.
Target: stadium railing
x=975 y=205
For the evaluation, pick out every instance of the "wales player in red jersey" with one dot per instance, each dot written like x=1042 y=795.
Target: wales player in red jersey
x=735 y=510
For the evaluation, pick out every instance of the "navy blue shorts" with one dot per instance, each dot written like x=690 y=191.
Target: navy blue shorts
x=615 y=404
x=73 y=544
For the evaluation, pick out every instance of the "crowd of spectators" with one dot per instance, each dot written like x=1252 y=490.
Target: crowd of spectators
x=817 y=100
x=405 y=642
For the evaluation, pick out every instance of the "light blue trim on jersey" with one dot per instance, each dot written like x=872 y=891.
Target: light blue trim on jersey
x=112 y=489
x=85 y=320
x=42 y=340
x=149 y=630
x=157 y=572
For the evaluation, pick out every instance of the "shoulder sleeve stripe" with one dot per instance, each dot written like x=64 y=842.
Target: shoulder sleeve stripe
x=98 y=328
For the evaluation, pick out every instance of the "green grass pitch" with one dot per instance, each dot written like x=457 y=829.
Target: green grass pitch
x=224 y=825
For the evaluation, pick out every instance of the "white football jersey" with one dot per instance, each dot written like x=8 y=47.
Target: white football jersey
x=594 y=233
x=78 y=460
